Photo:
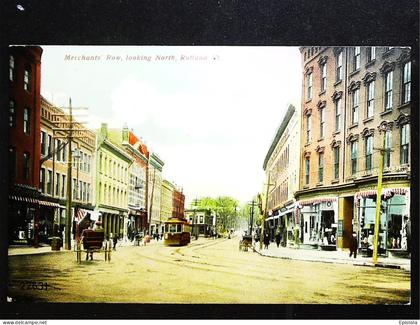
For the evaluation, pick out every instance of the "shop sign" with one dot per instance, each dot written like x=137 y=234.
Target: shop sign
x=340 y=228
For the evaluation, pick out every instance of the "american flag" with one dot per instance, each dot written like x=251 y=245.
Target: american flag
x=80 y=214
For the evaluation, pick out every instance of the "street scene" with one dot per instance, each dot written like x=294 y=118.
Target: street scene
x=260 y=175
x=206 y=271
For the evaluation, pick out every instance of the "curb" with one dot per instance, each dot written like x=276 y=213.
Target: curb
x=339 y=261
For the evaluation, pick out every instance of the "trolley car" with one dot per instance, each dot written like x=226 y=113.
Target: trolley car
x=177 y=232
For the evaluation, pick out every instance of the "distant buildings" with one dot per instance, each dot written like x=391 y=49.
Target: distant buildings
x=281 y=165
x=167 y=200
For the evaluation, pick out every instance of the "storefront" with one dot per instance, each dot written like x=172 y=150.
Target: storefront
x=318 y=221
x=395 y=222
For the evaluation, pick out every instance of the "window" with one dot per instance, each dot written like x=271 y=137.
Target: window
x=368 y=152
x=11 y=68
x=201 y=219
x=43 y=142
x=49 y=182
x=42 y=180
x=309 y=86
x=63 y=185
x=74 y=189
x=355 y=107
x=27 y=79
x=26 y=163
x=354 y=157
x=64 y=156
x=336 y=162
x=12 y=114
x=26 y=120
x=308 y=128
x=12 y=155
x=50 y=142
x=388 y=145
x=88 y=192
x=307 y=170
x=406 y=83
x=356 y=58
x=388 y=90
x=80 y=190
x=339 y=67
x=58 y=150
x=324 y=77
x=405 y=140
x=371 y=55
x=321 y=122
x=321 y=167
x=57 y=184
x=338 y=114
x=370 y=99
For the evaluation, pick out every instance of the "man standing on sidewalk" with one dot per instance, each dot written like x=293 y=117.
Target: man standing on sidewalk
x=353 y=245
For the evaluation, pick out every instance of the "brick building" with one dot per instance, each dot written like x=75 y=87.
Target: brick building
x=54 y=169
x=24 y=144
x=353 y=98
x=178 y=203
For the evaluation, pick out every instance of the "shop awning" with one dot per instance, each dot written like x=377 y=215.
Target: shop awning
x=33 y=201
x=386 y=192
x=316 y=201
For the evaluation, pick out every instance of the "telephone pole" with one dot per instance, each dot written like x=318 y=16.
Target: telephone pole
x=265 y=211
x=72 y=132
x=252 y=206
x=378 y=198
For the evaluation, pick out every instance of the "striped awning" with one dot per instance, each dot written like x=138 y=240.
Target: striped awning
x=33 y=201
x=386 y=192
x=317 y=201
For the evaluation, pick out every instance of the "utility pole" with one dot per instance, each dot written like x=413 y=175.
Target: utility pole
x=253 y=203
x=265 y=211
x=378 y=199
x=72 y=133
x=151 y=202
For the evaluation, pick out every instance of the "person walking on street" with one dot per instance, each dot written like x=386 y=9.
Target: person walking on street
x=353 y=245
x=266 y=240
x=115 y=240
x=278 y=238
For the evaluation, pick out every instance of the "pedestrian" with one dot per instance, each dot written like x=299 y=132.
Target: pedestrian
x=115 y=240
x=266 y=240
x=353 y=245
x=278 y=238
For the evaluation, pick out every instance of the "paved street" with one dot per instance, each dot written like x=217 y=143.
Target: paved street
x=206 y=271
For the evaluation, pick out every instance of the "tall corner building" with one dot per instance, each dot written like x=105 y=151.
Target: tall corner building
x=355 y=101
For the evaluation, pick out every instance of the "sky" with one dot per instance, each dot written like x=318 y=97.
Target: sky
x=210 y=113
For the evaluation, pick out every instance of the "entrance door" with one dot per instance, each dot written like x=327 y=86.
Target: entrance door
x=306 y=229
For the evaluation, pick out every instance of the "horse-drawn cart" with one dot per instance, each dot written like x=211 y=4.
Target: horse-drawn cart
x=245 y=242
x=93 y=242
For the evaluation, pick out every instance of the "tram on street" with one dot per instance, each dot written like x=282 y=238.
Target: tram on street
x=177 y=232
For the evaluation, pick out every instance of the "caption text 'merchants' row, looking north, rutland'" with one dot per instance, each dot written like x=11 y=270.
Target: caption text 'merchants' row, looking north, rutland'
x=109 y=57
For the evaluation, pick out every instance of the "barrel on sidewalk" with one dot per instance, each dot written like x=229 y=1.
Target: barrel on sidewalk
x=56 y=243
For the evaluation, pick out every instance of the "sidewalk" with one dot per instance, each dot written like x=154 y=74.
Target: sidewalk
x=338 y=256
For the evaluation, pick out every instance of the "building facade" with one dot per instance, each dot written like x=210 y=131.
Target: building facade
x=178 y=205
x=112 y=183
x=154 y=193
x=25 y=201
x=202 y=222
x=281 y=166
x=355 y=100
x=136 y=221
x=54 y=169
x=166 y=210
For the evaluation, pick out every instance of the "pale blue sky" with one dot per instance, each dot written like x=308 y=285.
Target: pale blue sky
x=211 y=121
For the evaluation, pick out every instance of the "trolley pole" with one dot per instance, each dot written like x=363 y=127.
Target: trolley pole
x=378 y=202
